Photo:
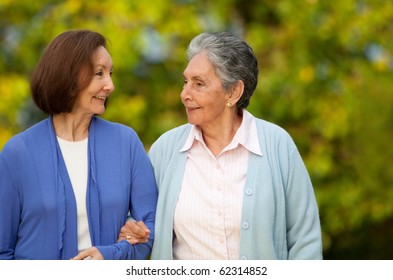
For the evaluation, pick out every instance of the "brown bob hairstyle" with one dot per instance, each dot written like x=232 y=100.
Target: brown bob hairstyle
x=64 y=69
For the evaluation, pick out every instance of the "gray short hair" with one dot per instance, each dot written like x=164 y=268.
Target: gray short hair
x=232 y=58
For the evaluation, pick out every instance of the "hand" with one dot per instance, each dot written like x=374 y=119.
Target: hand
x=134 y=232
x=89 y=254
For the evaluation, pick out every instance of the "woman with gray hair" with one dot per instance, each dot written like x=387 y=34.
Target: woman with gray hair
x=231 y=186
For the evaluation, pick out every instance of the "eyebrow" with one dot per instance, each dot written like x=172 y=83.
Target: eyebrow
x=103 y=66
x=195 y=77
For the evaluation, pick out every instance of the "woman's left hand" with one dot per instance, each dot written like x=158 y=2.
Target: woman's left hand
x=89 y=254
x=134 y=232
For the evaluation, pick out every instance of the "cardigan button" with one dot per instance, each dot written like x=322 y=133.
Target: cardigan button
x=245 y=225
x=249 y=191
x=244 y=258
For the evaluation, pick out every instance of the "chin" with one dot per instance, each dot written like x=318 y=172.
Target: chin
x=100 y=111
x=190 y=121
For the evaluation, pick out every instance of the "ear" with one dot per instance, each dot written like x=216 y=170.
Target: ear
x=236 y=92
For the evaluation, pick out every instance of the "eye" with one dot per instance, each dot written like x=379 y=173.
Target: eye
x=111 y=73
x=199 y=84
x=99 y=73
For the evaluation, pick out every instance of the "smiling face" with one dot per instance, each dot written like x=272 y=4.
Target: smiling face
x=202 y=94
x=93 y=98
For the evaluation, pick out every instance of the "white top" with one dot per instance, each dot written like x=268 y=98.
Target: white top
x=208 y=212
x=75 y=157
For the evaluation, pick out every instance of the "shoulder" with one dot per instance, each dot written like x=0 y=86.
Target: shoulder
x=272 y=130
x=169 y=143
x=101 y=123
x=32 y=143
x=174 y=136
x=34 y=135
x=102 y=126
x=273 y=137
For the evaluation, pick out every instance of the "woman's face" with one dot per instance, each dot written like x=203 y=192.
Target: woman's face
x=202 y=94
x=93 y=98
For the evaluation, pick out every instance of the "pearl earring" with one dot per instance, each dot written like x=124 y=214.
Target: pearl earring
x=229 y=104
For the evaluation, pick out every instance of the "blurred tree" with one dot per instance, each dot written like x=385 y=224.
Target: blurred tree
x=325 y=75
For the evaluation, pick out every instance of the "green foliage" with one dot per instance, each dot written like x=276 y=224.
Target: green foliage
x=325 y=75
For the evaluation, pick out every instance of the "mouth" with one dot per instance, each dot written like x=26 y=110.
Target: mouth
x=103 y=98
x=193 y=108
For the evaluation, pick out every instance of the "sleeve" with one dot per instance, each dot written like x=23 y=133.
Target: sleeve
x=125 y=251
x=156 y=157
x=9 y=211
x=143 y=199
x=303 y=225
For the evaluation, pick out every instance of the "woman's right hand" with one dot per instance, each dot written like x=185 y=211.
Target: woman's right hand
x=134 y=232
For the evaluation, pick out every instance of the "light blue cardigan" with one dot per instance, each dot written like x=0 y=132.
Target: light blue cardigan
x=280 y=218
x=37 y=203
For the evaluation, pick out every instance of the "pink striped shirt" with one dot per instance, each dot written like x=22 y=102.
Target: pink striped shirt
x=208 y=212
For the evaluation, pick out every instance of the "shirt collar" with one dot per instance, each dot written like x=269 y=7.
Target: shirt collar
x=246 y=135
x=195 y=134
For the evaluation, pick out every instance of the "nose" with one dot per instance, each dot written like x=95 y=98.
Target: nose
x=109 y=86
x=185 y=93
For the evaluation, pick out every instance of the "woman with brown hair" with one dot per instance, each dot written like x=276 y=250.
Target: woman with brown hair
x=68 y=183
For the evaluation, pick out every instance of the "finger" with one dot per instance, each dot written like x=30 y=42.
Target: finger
x=142 y=225
x=82 y=255
x=125 y=230
x=144 y=240
x=134 y=241
x=89 y=254
x=134 y=232
x=97 y=256
x=137 y=229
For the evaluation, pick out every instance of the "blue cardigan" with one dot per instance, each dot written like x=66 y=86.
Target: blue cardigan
x=38 y=218
x=280 y=218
